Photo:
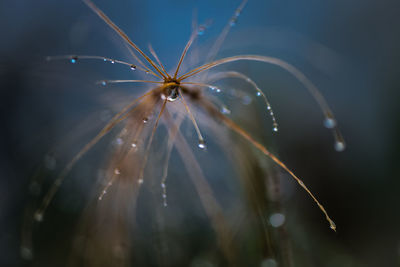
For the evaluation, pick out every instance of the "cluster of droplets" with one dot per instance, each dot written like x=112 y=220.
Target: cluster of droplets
x=105 y=189
x=164 y=193
x=330 y=123
x=269 y=109
x=215 y=89
x=235 y=17
x=74 y=59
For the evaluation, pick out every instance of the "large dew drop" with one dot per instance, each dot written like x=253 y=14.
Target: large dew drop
x=172 y=94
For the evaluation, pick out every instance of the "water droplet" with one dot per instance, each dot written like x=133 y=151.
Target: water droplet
x=119 y=141
x=117 y=171
x=332 y=226
x=259 y=94
x=134 y=144
x=275 y=128
x=268 y=107
x=38 y=216
x=218 y=90
x=50 y=162
x=329 y=123
x=225 y=110
x=201 y=30
x=237 y=12
x=104 y=83
x=339 y=146
x=26 y=253
x=140 y=181
x=246 y=100
x=172 y=93
x=112 y=61
x=277 y=219
x=162 y=185
x=269 y=263
x=164 y=196
x=165 y=204
x=133 y=67
x=212 y=88
x=233 y=21
x=145 y=120
x=202 y=144
x=74 y=59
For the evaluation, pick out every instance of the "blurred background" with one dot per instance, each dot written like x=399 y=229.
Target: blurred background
x=349 y=49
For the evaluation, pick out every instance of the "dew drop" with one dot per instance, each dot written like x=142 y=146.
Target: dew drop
x=246 y=100
x=145 y=120
x=259 y=94
x=218 y=90
x=212 y=88
x=201 y=30
x=119 y=141
x=165 y=204
x=268 y=107
x=162 y=185
x=332 y=226
x=202 y=144
x=172 y=93
x=104 y=59
x=225 y=110
x=74 y=59
x=233 y=21
x=112 y=61
x=26 y=253
x=104 y=83
x=38 y=216
x=275 y=128
x=134 y=144
x=339 y=146
x=140 y=181
x=117 y=171
x=133 y=67
x=329 y=123
x=269 y=263
x=50 y=162
x=277 y=219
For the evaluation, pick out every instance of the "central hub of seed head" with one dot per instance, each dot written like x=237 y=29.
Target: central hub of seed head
x=171 y=92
